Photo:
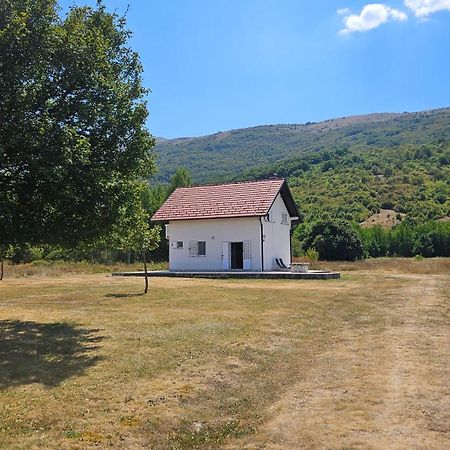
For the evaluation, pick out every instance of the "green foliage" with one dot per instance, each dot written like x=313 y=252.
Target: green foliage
x=132 y=231
x=407 y=239
x=351 y=191
x=5 y=251
x=334 y=241
x=375 y=240
x=72 y=129
x=156 y=195
x=312 y=254
x=181 y=178
x=130 y=234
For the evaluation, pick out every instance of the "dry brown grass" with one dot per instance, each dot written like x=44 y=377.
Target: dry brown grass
x=362 y=362
x=397 y=265
x=42 y=268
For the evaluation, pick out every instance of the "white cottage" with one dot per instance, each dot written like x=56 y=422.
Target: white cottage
x=238 y=226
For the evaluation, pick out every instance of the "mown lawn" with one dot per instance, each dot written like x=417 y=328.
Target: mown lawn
x=86 y=361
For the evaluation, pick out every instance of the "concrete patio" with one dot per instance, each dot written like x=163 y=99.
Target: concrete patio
x=310 y=275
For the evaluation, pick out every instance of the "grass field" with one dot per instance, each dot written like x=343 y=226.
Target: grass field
x=362 y=362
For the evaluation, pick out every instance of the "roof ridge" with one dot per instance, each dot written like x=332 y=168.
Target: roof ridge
x=231 y=183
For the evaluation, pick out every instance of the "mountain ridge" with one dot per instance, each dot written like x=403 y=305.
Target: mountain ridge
x=308 y=123
x=223 y=155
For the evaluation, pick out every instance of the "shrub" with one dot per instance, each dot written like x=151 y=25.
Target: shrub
x=22 y=254
x=334 y=241
x=312 y=254
x=402 y=240
x=40 y=262
x=375 y=240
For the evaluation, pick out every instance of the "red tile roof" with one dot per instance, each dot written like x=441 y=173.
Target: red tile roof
x=246 y=199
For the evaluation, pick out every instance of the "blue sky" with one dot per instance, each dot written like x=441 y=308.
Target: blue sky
x=215 y=65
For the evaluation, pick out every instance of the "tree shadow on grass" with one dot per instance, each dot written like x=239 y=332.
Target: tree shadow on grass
x=127 y=295
x=47 y=353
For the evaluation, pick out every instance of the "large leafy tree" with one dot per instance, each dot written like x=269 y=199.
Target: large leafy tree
x=72 y=131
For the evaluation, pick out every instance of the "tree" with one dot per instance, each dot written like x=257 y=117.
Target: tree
x=334 y=240
x=156 y=195
x=4 y=253
x=72 y=129
x=403 y=239
x=133 y=231
x=375 y=241
x=181 y=178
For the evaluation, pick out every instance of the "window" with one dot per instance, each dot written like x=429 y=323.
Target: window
x=201 y=248
x=197 y=248
x=179 y=244
x=167 y=231
x=284 y=219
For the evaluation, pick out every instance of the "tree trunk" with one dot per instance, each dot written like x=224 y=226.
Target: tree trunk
x=145 y=272
x=1 y=270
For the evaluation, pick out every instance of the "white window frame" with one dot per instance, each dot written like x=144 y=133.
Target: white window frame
x=204 y=248
x=284 y=219
x=167 y=231
x=179 y=245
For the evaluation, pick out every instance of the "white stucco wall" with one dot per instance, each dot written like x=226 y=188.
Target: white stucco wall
x=277 y=236
x=216 y=231
x=213 y=232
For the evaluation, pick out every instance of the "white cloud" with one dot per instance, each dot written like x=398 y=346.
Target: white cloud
x=343 y=11
x=370 y=17
x=423 y=8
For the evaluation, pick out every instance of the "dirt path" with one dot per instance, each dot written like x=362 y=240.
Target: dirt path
x=384 y=384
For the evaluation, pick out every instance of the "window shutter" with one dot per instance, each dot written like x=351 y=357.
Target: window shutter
x=247 y=250
x=225 y=255
x=193 y=248
x=247 y=254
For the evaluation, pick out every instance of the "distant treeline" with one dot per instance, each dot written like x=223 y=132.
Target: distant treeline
x=340 y=240
x=329 y=239
x=428 y=239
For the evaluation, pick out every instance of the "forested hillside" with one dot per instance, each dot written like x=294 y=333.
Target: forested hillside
x=349 y=167
x=352 y=184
